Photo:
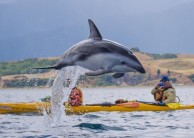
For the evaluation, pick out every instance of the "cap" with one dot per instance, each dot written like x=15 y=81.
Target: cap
x=164 y=78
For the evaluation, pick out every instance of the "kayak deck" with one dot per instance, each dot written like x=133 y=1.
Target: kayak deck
x=38 y=107
x=23 y=107
x=141 y=107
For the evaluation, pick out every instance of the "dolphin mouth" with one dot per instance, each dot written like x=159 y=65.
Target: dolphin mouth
x=140 y=69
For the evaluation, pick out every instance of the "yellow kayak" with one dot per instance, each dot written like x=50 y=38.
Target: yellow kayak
x=38 y=107
x=23 y=107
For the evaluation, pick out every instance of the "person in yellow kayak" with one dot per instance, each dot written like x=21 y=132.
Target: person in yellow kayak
x=163 y=92
x=75 y=97
x=46 y=99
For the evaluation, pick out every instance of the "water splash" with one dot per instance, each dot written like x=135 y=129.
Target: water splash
x=59 y=93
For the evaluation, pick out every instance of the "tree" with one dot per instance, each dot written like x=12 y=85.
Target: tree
x=158 y=73
x=135 y=49
x=168 y=72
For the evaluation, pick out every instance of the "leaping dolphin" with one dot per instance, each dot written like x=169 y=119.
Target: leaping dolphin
x=100 y=56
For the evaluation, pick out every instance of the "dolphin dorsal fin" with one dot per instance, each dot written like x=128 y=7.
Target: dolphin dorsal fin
x=94 y=33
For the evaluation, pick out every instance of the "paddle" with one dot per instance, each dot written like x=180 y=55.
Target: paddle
x=127 y=104
x=173 y=105
x=101 y=104
x=135 y=104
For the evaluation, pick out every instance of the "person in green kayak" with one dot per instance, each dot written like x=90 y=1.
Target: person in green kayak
x=163 y=92
x=46 y=99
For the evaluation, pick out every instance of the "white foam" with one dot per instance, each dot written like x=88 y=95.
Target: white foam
x=60 y=94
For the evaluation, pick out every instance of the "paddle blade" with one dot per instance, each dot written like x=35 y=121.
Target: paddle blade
x=173 y=105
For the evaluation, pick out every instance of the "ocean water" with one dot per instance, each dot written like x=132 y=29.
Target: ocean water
x=172 y=124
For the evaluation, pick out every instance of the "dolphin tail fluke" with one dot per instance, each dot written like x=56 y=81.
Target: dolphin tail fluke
x=58 y=66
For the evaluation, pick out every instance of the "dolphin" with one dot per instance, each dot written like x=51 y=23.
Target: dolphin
x=100 y=56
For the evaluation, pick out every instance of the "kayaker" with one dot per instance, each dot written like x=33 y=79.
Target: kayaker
x=76 y=96
x=46 y=99
x=163 y=92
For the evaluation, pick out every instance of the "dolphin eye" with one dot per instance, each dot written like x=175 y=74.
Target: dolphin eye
x=123 y=62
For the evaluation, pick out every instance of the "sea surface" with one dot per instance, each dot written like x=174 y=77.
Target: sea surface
x=170 y=124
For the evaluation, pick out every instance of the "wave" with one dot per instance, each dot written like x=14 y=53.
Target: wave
x=98 y=127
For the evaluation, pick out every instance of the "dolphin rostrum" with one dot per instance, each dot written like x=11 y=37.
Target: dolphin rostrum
x=100 y=56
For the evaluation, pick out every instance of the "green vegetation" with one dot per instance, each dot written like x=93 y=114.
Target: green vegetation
x=135 y=49
x=25 y=66
x=104 y=80
x=162 y=56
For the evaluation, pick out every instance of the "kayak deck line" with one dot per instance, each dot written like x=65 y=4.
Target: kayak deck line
x=38 y=107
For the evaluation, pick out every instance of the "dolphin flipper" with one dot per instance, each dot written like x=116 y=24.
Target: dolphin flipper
x=118 y=75
x=97 y=72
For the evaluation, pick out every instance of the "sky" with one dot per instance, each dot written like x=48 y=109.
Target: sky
x=137 y=6
x=6 y=1
x=47 y=28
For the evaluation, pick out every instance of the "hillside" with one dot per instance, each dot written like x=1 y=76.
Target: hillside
x=180 y=70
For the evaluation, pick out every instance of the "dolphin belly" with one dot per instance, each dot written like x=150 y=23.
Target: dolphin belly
x=99 y=61
x=123 y=69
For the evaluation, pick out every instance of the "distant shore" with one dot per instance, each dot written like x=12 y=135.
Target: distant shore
x=179 y=68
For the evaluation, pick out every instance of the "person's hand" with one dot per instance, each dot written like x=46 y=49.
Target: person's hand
x=160 y=89
x=159 y=85
x=160 y=103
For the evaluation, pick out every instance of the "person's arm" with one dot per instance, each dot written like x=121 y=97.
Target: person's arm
x=157 y=88
x=171 y=96
x=154 y=90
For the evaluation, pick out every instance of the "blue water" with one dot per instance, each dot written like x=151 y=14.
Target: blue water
x=175 y=124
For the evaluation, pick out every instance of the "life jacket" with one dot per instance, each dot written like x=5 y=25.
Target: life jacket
x=159 y=96
x=75 y=97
